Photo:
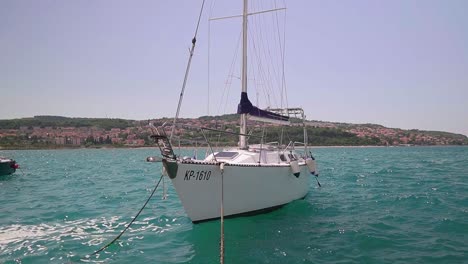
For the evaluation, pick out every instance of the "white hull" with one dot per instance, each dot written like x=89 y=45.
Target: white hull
x=246 y=188
x=255 y=177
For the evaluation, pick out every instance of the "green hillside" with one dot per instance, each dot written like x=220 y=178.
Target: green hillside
x=63 y=132
x=60 y=121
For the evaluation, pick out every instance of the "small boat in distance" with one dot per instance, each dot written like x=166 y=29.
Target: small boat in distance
x=7 y=166
x=153 y=159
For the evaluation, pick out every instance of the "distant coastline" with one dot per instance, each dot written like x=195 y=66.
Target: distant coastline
x=57 y=132
x=223 y=147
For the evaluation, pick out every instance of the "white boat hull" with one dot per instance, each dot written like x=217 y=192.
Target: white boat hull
x=246 y=188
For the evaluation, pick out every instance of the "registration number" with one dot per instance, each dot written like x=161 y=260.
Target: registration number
x=197 y=175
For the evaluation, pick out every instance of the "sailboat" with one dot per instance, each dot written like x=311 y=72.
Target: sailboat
x=245 y=179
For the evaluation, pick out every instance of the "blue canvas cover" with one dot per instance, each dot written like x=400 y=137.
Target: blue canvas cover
x=246 y=107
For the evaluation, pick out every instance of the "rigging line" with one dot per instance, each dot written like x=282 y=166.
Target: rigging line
x=269 y=90
x=133 y=220
x=208 y=72
x=260 y=64
x=208 y=142
x=268 y=59
x=259 y=87
x=273 y=69
x=228 y=83
x=194 y=40
x=232 y=69
x=278 y=46
x=212 y=7
x=277 y=49
x=199 y=18
x=253 y=44
x=282 y=58
x=256 y=84
x=272 y=49
x=250 y=68
x=265 y=65
x=281 y=64
x=261 y=72
x=209 y=44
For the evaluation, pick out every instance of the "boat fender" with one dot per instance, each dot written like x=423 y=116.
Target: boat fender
x=295 y=168
x=312 y=166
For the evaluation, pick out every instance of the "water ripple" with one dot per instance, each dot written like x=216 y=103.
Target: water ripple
x=377 y=205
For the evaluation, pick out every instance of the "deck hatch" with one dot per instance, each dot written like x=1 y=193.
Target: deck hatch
x=226 y=154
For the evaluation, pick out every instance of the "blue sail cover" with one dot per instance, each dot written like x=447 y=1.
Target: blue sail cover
x=246 y=107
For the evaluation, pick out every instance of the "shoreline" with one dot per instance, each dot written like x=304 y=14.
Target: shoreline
x=185 y=147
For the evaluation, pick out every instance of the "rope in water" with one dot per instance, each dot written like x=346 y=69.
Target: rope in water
x=133 y=220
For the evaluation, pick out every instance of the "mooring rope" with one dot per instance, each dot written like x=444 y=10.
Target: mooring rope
x=221 y=244
x=133 y=220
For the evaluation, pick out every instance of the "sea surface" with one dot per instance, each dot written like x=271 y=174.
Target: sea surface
x=376 y=205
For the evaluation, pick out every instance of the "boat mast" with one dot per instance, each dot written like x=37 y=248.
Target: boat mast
x=243 y=118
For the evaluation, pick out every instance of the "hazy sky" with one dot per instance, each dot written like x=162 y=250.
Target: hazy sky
x=397 y=63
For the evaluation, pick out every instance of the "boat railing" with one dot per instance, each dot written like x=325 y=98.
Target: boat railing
x=177 y=146
x=209 y=140
x=290 y=146
x=200 y=138
x=301 y=148
x=266 y=146
x=298 y=143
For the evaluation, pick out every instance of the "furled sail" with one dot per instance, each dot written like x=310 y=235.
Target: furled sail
x=257 y=114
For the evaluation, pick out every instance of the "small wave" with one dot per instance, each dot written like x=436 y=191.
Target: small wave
x=34 y=239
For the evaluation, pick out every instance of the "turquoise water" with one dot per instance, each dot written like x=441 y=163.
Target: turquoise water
x=376 y=205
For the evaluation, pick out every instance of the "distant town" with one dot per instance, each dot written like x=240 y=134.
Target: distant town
x=63 y=132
